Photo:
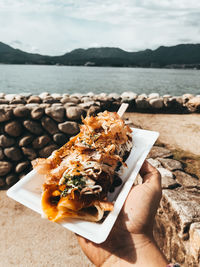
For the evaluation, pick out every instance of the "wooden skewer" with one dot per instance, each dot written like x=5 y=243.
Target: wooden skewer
x=122 y=109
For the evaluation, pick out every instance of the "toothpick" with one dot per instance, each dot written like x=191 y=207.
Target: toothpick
x=122 y=109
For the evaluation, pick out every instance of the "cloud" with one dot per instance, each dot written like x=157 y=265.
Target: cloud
x=24 y=46
x=55 y=27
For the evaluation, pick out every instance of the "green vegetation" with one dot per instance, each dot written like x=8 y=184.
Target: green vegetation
x=189 y=160
x=179 y=56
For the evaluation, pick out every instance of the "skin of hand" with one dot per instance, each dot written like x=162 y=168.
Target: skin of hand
x=132 y=234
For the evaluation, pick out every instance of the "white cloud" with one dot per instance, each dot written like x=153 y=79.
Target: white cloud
x=55 y=27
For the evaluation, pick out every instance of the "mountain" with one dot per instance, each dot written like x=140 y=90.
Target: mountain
x=10 y=55
x=183 y=55
x=102 y=56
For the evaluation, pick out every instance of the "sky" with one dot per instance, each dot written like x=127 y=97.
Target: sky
x=54 y=27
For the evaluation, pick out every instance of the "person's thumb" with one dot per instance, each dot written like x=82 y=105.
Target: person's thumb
x=150 y=174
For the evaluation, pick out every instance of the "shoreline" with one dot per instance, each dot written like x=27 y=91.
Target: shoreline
x=170 y=67
x=146 y=103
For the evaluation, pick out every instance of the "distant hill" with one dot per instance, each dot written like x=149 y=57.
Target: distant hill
x=10 y=55
x=179 y=56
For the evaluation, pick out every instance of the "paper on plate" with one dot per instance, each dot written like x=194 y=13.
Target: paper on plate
x=28 y=190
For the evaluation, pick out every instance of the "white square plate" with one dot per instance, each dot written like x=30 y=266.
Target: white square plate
x=28 y=190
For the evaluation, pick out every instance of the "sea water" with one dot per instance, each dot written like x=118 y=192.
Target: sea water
x=80 y=79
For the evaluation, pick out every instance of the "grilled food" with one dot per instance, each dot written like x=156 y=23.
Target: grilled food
x=80 y=174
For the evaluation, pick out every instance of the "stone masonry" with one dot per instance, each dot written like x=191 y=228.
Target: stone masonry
x=34 y=126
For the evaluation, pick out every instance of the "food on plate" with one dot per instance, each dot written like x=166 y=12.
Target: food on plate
x=79 y=175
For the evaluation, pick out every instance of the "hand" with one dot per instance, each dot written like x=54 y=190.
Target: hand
x=133 y=229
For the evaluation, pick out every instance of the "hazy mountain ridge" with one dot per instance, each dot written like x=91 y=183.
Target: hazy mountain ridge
x=182 y=55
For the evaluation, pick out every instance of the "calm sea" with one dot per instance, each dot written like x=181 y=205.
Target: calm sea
x=66 y=79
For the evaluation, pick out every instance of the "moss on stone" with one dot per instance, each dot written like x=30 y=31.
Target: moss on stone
x=189 y=160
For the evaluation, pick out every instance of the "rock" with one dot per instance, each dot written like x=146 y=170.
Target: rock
x=93 y=111
x=65 y=99
x=87 y=105
x=37 y=113
x=26 y=140
x=11 y=179
x=156 y=103
x=60 y=138
x=76 y=95
x=159 y=152
x=50 y=100
x=171 y=164
x=44 y=95
x=91 y=94
x=49 y=125
x=21 y=111
x=10 y=97
x=18 y=101
x=34 y=99
x=25 y=95
x=167 y=96
x=129 y=95
x=69 y=104
x=13 y=153
x=194 y=234
x=181 y=212
x=154 y=162
x=186 y=179
x=41 y=141
x=106 y=104
x=3 y=101
x=1 y=128
x=2 y=182
x=32 y=105
x=56 y=113
x=6 y=141
x=1 y=154
x=114 y=96
x=193 y=104
x=56 y=96
x=13 y=128
x=154 y=95
x=29 y=153
x=47 y=151
x=75 y=113
x=86 y=99
x=69 y=127
x=167 y=180
x=5 y=114
x=2 y=95
x=44 y=105
x=142 y=102
x=57 y=105
x=102 y=95
x=22 y=166
x=68 y=99
x=33 y=127
x=142 y=96
x=174 y=104
x=5 y=167
x=186 y=98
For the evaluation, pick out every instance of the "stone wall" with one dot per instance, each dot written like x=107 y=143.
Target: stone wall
x=177 y=228
x=144 y=103
x=33 y=126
